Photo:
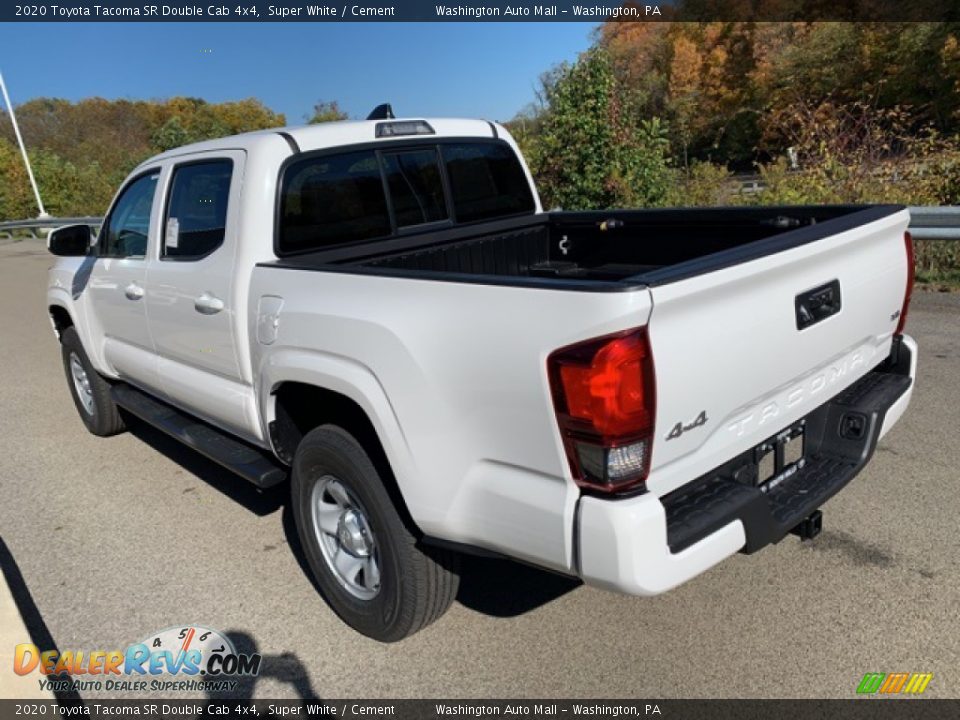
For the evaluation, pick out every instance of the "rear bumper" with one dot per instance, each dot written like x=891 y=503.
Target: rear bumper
x=646 y=545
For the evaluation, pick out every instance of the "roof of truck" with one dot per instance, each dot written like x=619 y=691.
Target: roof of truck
x=334 y=134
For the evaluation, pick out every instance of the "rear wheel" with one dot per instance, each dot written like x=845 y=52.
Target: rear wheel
x=368 y=563
x=90 y=392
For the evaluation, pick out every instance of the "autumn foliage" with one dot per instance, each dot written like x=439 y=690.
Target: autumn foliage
x=81 y=151
x=812 y=112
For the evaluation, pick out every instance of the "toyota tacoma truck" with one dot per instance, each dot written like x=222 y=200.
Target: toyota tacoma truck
x=382 y=313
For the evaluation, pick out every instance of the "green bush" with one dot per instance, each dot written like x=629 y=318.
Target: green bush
x=591 y=150
x=703 y=185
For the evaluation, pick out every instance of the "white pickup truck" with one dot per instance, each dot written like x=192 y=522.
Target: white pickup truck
x=382 y=312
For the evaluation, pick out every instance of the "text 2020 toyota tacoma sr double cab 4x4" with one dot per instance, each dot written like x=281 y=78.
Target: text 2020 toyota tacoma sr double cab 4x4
x=382 y=312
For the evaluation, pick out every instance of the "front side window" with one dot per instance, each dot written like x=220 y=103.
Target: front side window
x=126 y=229
x=332 y=200
x=197 y=211
x=486 y=181
x=416 y=188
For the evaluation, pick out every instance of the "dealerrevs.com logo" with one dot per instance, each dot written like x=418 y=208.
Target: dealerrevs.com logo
x=186 y=658
x=894 y=683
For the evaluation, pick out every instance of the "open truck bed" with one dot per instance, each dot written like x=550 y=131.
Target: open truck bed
x=597 y=250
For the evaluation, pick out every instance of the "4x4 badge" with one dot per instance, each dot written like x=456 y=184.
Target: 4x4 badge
x=679 y=429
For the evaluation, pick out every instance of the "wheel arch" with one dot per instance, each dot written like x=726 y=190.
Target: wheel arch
x=61 y=318
x=297 y=406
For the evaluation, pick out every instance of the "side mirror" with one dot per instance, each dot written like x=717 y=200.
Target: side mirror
x=70 y=240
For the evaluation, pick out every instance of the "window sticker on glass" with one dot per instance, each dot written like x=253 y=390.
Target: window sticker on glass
x=173 y=233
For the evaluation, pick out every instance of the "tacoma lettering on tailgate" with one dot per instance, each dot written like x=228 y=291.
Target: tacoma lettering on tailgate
x=810 y=392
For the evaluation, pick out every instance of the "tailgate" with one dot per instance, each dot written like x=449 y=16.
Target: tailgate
x=734 y=364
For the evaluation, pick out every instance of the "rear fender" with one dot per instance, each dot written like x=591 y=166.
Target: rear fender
x=348 y=378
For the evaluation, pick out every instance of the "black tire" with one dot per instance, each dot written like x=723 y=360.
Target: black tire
x=103 y=417
x=416 y=584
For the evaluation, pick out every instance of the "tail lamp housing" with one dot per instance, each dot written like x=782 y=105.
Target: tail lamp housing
x=604 y=396
x=908 y=245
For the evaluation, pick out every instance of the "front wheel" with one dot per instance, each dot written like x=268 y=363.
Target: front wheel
x=369 y=565
x=90 y=392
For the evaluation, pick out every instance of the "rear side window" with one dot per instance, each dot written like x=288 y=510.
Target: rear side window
x=332 y=200
x=416 y=188
x=486 y=181
x=197 y=212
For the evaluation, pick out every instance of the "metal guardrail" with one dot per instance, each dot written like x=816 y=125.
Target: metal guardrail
x=926 y=223
x=31 y=228
x=935 y=223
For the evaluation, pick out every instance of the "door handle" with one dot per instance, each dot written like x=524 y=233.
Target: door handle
x=133 y=291
x=208 y=304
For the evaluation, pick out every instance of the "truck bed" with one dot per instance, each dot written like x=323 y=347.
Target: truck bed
x=597 y=249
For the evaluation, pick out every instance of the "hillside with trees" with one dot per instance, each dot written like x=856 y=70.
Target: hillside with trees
x=861 y=108
x=81 y=151
x=671 y=113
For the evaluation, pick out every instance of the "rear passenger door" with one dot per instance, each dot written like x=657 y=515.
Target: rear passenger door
x=190 y=298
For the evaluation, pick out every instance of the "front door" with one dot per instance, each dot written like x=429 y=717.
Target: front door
x=117 y=283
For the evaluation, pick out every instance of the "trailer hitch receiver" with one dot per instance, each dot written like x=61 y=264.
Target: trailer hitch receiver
x=810 y=526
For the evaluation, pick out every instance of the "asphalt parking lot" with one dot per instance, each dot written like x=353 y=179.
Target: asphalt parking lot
x=121 y=537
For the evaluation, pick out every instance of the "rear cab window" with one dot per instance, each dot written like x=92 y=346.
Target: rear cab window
x=415 y=187
x=332 y=199
x=486 y=181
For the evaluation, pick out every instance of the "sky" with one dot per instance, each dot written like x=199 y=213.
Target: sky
x=486 y=70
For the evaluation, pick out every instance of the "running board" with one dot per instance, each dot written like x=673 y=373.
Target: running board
x=245 y=460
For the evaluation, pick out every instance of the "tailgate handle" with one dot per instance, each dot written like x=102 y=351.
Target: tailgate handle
x=818 y=304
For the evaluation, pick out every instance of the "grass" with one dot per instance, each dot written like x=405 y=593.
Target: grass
x=937 y=264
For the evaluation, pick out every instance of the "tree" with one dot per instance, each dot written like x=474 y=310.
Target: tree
x=684 y=93
x=170 y=135
x=326 y=111
x=593 y=150
x=16 y=197
x=247 y=115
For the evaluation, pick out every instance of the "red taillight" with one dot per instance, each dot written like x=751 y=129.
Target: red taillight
x=908 y=242
x=603 y=393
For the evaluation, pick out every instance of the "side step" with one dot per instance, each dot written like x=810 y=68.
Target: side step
x=246 y=461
